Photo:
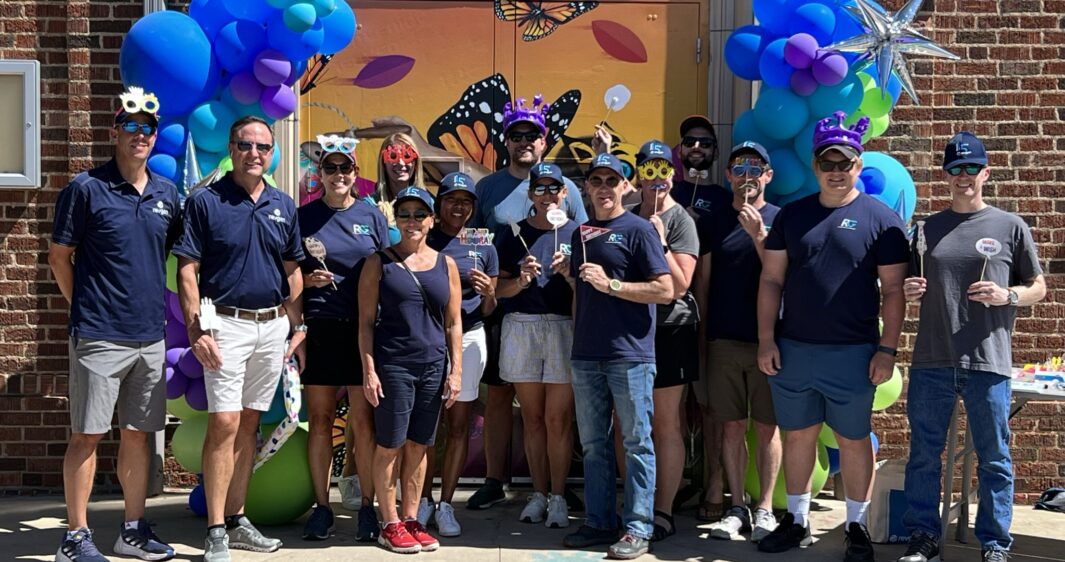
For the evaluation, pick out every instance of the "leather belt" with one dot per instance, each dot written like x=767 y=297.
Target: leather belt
x=261 y=315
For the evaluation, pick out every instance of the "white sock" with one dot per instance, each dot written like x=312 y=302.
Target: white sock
x=799 y=507
x=856 y=511
x=132 y=524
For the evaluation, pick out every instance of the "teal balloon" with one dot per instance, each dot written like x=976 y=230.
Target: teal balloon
x=300 y=17
x=845 y=96
x=209 y=126
x=746 y=129
x=325 y=7
x=889 y=181
x=804 y=142
x=339 y=28
x=789 y=172
x=780 y=113
x=275 y=160
x=775 y=71
x=809 y=187
x=208 y=161
x=281 y=4
x=281 y=490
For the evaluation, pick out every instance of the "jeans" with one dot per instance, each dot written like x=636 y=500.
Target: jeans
x=930 y=404
x=627 y=387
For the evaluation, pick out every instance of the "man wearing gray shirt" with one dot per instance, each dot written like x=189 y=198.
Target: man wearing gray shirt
x=973 y=266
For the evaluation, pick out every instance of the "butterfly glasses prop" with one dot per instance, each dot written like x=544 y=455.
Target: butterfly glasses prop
x=336 y=143
x=655 y=169
x=399 y=153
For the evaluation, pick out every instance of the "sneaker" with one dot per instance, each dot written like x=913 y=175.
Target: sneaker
x=369 y=528
x=319 y=525
x=216 y=546
x=629 y=547
x=425 y=511
x=588 y=536
x=535 y=510
x=395 y=537
x=245 y=536
x=736 y=520
x=446 y=523
x=487 y=495
x=418 y=532
x=922 y=548
x=991 y=555
x=557 y=513
x=787 y=535
x=573 y=501
x=142 y=543
x=77 y=546
x=859 y=547
x=350 y=492
x=764 y=523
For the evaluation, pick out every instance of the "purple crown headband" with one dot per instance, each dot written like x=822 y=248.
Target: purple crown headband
x=536 y=114
x=831 y=131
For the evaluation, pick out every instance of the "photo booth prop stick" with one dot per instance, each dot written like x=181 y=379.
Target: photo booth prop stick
x=697 y=175
x=557 y=218
x=316 y=249
x=615 y=98
x=475 y=237
x=922 y=247
x=590 y=233
x=209 y=320
x=516 y=229
x=988 y=247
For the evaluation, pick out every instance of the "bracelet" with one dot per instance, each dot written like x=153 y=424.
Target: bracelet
x=889 y=350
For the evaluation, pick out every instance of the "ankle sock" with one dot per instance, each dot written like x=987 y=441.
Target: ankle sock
x=856 y=511
x=132 y=524
x=799 y=507
x=233 y=521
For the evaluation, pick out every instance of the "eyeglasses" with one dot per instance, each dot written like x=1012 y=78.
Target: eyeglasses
x=747 y=168
x=399 y=153
x=245 y=146
x=418 y=215
x=133 y=127
x=653 y=169
x=330 y=169
x=531 y=136
x=832 y=165
x=541 y=189
x=969 y=169
x=598 y=181
x=705 y=142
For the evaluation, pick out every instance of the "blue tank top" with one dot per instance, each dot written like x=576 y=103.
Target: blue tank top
x=406 y=332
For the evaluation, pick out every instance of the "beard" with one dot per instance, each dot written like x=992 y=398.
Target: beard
x=703 y=164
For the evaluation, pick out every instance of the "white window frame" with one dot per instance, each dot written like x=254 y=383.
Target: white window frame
x=30 y=176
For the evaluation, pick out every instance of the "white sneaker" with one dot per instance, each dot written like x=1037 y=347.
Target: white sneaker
x=764 y=523
x=446 y=523
x=425 y=511
x=350 y=492
x=736 y=520
x=535 y=510
x=557 y=513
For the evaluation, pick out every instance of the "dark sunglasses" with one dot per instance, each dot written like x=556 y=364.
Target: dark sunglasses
x=541 y=189
x=330 y=169
x=416 y=215
x=245 y=146
x=831 y=165
x=598 y=181
x=133 y=127
x=705 y=142
x=747 y=169
x=969 y=169
x=531 y=136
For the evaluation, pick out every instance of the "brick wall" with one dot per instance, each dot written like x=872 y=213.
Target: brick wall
x=1009 y=88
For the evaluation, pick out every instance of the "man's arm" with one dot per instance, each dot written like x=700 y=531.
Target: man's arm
x=892 y=302
x=203 y=345
x=294 y=309
x=60 y=259
x=770 y=288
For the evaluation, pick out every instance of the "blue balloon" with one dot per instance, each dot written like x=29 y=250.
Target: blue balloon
x=208 y=161
x=847 y=25
x=774 y=15
x=168 y=54
x=339 y=28
x=171 y=138
x=833 y=460
x=876 y=442
x=296 y=46
x=743 y=50
x=746 y=129
x=845 y=96
x=164 y=165
x=816 y=19
x=889 y=181
x=789 y=172
x=212 y=15
x=775 y=71
x=253 y=10
x=275 y=160
x=238 y=43
x=209 y=126
x=804 y=142
x=780 y=113
x=198 y=501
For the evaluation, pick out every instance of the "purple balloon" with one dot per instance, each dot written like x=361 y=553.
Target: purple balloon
x=278 y=101
x=190 y=366
x=800 y=50
x=245 y=88
x=174 y=354
x=830 y=68
x=803 y=82
x=173 y=306
x=271 y=67
x=196 y=395
x=176 y=384
x=176 y=335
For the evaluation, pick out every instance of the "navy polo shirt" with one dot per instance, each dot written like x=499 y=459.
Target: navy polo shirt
x=830 y=289
x=466 y=256
x=241 y=245
x=121 y=239
x=607 y=328
x=348 y=235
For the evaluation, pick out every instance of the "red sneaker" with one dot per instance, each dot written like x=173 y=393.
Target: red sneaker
x=395 y=537
x=421 y=535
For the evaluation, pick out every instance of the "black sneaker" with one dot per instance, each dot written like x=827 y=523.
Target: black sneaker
x=922 y=548
x=786 y=536
x=142 y=542
x=319 y=525
x=991 y=555
x=629 y=547
x=859 y=547
x=487 y=495
x=588 y=536
x=369 y=528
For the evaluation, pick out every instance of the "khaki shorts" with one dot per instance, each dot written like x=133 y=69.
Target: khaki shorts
x=252 y=356
x=733 y=387
x=104 y=374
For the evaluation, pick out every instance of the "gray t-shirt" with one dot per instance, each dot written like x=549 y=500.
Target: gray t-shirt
x=955 y=331
x=503 y=198
x=682 y=237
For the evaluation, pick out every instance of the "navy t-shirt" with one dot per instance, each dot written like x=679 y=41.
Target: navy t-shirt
x=735 y=269
x=830 y=290
x=406 y=331
x=121 y=239
x=549 y=293
x=466 y=257
x=348 y=235
x=241 y=245
x=702 y=200
x=607 y=328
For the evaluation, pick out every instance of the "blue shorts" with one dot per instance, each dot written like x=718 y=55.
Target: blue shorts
x=824 y=383
x=410 y=408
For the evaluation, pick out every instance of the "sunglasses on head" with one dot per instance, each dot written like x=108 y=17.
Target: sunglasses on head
x=541 y=189
x=399 y=153
x=598 y=181
x=330 y=169
x=531 y=136
x=245 y=146
x=832 y=165
x=969 y=169
x=655 y=169
x=133 y=127
x=705 y=142
x=419 y=215
x=747 y=168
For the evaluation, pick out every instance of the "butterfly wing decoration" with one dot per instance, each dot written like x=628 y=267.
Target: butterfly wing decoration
x=560 y=115
x=473 y=127
x=574 y=154
x=537 y=21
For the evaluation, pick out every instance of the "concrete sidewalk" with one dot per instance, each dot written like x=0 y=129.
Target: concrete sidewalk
x=30 y=529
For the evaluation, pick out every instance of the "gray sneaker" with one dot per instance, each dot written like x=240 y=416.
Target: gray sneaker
x=736 y=520
x=216 y=547
x=246 y=537
x=764 y=523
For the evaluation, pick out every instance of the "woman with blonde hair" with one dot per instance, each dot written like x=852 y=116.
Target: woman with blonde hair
x=398 y=167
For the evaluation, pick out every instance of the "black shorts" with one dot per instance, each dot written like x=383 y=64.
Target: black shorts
x=676 y=355
x=332 y=353
x=410 y=408
x=493 y=325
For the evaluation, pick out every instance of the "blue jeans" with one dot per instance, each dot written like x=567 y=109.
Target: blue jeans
x=627 y=387
x=929 y=405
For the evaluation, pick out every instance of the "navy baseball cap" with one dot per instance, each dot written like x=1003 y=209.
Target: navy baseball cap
x=607 y=160
x=456 y=181
x=964 y=148
x=693 y=121
x=544 y=170
x=654 y=150
x=750 y=147
x=414 y=194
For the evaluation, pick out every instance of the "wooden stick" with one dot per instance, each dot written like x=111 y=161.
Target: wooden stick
x=982 y=271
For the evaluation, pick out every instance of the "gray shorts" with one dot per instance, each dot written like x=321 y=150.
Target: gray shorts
x=536 y=348
x=105 y=373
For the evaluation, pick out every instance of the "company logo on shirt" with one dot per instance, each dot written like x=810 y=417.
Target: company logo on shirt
x=615 y=238
x=473 y=254
x=360 y=229
x=276 y=217
x=701 y=204
x=848 y=224
x=160 y=209
x=566 y=249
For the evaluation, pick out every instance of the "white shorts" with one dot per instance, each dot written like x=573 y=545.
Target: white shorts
x=474 y=359
x=536 y=348
x=252 y=356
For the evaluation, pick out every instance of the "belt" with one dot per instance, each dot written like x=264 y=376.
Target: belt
x=261 y=315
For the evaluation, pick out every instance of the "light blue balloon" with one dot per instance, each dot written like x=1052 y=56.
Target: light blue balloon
x=743 y=50
x=325 y=7
x=208 y=161
x=254 y=10
x=775 y=71
x=296 y=46
x=774 y=15
x=209 y=126
x=339 y=28
x=300 y=17
x=164 y=165
x=889 y=181
x=275 y=160
x=845 y=96
x=816 y=19
x=806 y=190
x=171 y=138
x=789 y=172
x=780 y=113
x=746 y=129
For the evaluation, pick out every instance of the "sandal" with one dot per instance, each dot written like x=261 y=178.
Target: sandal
x=710 y=511
x=664 y=526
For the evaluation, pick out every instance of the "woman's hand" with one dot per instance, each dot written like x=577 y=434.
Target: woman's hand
x=318 y=278
x=371 y=389
x=452 y=387
x=482 y=283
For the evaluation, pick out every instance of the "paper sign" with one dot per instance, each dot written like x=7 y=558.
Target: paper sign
x=988 y=247
x=616 y=97
x=592 y=232
x=557 y=217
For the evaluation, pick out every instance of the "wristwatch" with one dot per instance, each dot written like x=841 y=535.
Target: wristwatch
x=615 y=286
x=889 y=350
x=665 y=248
x=300 y=328
x=1013 y=297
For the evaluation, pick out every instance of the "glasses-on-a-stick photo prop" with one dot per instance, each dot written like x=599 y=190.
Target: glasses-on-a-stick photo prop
x=989 y=248
x=316 y=249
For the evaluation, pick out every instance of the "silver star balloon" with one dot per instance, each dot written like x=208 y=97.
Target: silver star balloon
x=888 y=38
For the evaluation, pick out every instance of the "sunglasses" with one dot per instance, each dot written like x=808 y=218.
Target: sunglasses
x=969 y=169
x=133 y=127
x=598 y=181
x=832 y=165
x=746 y=168
x=531 y=136
x=705 y=142
x=418 y=215
x=330 y=169
x=553 y=189
x=399 y=153
x=655 y=169
x=246 y=146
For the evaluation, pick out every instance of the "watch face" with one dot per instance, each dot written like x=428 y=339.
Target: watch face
x=615 y=284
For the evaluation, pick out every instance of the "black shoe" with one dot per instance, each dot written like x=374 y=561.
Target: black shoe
x=859 y=547
x=319 y=525
x=587 y=536
x=990 y=555
x=487 y=495
x=922 y=548
x=629 y=547
x=786 y=536
x=369 y=528
x=573 y=501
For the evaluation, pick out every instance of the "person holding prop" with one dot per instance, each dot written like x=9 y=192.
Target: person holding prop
x=398 y=167
x=693 y=188
x=824 y=356
x=963 y=348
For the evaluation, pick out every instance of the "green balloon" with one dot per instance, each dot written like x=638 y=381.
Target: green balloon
x=225 y=165
x=281 y=490
x=888 y=392
x=877 y=126
x=187 y=444
x=171 y=273
x=180 y=409
x=780 y=492
x=874 y=104
x=827 y=437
